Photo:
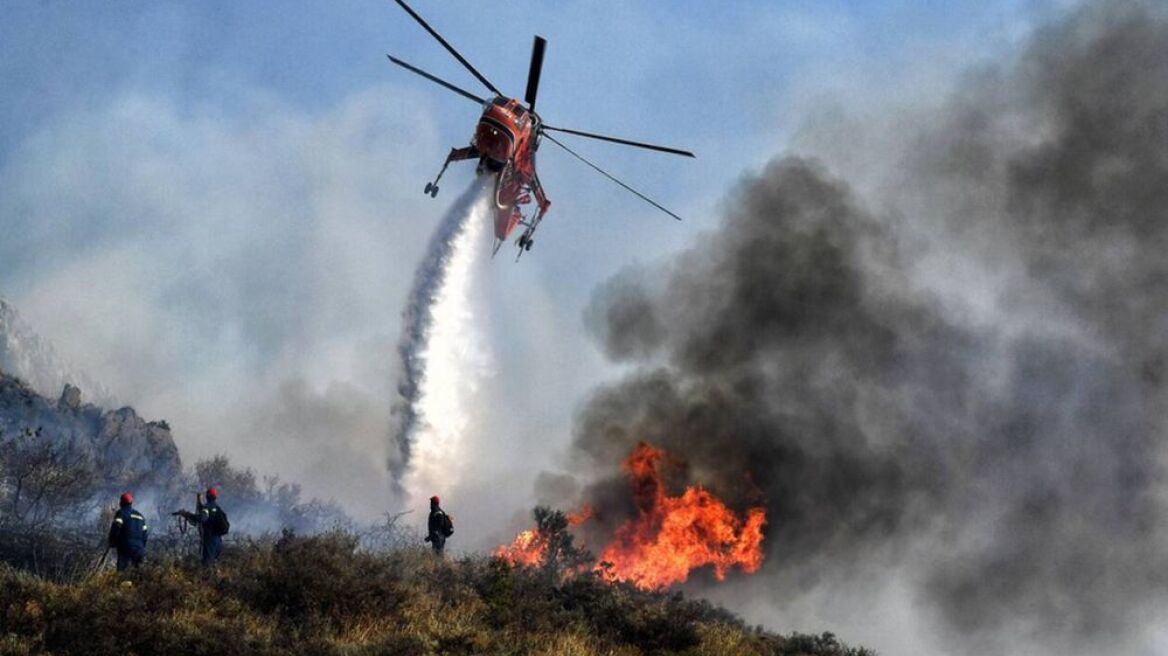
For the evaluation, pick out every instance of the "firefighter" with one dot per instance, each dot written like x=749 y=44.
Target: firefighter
x=128 y=534
x=211 y=522
x=213 y=525
x=439 y=527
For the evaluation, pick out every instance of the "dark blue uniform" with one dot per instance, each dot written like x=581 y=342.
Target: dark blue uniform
x=436 y=530
x=212 y=544
x=128 y=534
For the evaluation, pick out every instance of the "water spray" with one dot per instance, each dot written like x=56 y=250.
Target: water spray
x=437 y=348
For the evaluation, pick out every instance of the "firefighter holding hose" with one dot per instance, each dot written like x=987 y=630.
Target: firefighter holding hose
x=212 y=523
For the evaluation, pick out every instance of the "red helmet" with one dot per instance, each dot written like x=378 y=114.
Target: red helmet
x=212 y=493
x=127 y=499
x=434 y=500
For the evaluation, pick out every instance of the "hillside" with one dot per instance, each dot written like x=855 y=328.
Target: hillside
x=334 y=593
x=324 y=595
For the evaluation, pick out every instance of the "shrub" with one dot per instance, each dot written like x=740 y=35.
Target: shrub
x=325 y=595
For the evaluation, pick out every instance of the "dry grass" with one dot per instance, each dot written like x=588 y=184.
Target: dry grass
x=322 y=595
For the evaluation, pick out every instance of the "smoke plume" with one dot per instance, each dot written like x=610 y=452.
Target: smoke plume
x=436 y=346
x=959 y=373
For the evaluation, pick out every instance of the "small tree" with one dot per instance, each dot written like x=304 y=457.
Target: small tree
x=240 y=484
x=47 y=490
x=562 y=557
x=42 y=481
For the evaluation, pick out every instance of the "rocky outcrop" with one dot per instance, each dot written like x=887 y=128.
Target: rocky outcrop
x=70 y=398
x=125 y=450
x=136 y=448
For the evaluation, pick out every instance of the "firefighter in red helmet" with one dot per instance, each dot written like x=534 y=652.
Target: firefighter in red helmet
x=212 y=523
x=215 y=525
x=439 y=527
x=128 y=533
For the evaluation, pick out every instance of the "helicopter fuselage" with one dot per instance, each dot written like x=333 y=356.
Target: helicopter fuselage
x=506 y=138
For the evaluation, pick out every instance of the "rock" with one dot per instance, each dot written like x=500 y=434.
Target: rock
x=70 y=398
x=128 y=451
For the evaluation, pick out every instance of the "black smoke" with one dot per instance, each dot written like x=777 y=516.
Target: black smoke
x=806 y=356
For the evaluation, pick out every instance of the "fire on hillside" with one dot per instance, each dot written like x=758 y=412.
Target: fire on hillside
x=670 y=536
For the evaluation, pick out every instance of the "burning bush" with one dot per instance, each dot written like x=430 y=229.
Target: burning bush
x=549 y=545
x=668 y=538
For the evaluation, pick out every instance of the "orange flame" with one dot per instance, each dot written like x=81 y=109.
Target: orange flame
x=672 y=536
x=669 y=538
x=530 y=547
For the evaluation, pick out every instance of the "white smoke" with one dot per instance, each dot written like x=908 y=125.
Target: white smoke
x=444 y=353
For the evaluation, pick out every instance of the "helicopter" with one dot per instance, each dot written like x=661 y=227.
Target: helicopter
x=505 y=141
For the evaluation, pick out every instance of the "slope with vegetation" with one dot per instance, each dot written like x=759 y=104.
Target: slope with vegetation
x=64 y=463
x=326 y=595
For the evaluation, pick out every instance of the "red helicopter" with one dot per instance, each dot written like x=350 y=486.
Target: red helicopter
x=506 y=140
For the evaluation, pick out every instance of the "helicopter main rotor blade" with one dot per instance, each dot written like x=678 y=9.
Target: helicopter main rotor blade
x=610 y=177
x=537 y=49
x=462 y=60
x=626 y=142
x=436 y=79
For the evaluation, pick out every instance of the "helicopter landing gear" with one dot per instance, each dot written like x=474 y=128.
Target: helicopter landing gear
x=431 y=189
x=524 y=243
x=456 y=154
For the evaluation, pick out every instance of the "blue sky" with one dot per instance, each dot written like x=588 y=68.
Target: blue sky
x=697 y=73
x=219 y=193
x=206 y=201
x=215 y=207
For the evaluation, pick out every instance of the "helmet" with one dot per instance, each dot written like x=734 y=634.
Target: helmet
x=212 y=493
x=434 y=500
x=126 y=499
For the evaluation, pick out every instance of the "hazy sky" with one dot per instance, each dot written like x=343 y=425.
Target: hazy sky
x=215 y=208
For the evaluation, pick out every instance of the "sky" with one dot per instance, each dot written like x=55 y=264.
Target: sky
x=215 y=208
